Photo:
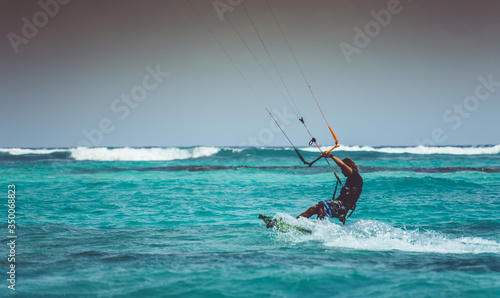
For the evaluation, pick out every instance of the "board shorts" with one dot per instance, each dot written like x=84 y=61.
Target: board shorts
x=333 y=208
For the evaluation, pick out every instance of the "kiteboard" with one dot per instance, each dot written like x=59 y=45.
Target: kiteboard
x=282 y=226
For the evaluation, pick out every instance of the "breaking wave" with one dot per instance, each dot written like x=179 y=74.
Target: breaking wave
x=141 y=154
x=453 y=150
x=108 y=154
x=180 y=153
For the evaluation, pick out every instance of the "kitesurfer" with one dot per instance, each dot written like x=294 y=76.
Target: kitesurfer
x=349 y=193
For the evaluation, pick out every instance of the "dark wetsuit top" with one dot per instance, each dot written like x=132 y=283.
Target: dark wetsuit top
x=349 y=195
x=350 y=192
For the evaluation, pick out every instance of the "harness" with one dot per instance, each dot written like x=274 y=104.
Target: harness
x=340 y=208
x=330 y=213
x=343 y=218
x=336 y=210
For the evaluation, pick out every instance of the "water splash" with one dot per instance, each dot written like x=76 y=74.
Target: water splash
x=374 y=235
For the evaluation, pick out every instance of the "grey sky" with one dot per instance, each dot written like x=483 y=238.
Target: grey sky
x=417 y=80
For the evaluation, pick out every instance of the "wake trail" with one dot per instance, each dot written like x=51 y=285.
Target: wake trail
x=373 y=235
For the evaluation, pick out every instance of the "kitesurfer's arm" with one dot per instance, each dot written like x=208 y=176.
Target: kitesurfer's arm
x=345 y=168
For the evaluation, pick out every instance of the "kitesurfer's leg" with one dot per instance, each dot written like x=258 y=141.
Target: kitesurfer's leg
x=312 y=211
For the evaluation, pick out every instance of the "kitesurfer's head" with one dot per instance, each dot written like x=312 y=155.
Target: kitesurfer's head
x=350 y=164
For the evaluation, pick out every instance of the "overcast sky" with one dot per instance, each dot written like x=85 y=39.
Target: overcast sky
x=149 y=73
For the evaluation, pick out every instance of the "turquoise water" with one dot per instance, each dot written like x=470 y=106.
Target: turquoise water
x=183 y=222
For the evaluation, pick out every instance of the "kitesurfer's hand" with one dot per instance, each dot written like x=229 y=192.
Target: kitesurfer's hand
x=324 y=154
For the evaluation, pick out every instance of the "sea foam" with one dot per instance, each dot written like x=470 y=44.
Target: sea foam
x=453 y=150
x=26 y=151
x=141 y=154
x=176 y=153
x=378 y=236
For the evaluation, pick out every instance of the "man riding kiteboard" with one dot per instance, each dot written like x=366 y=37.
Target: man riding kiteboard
x=349 y=193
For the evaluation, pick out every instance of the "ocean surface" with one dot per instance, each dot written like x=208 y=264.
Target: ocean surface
x=183 y=222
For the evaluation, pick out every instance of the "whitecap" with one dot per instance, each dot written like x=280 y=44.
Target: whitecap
x=141 y=154
x=453 y=150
